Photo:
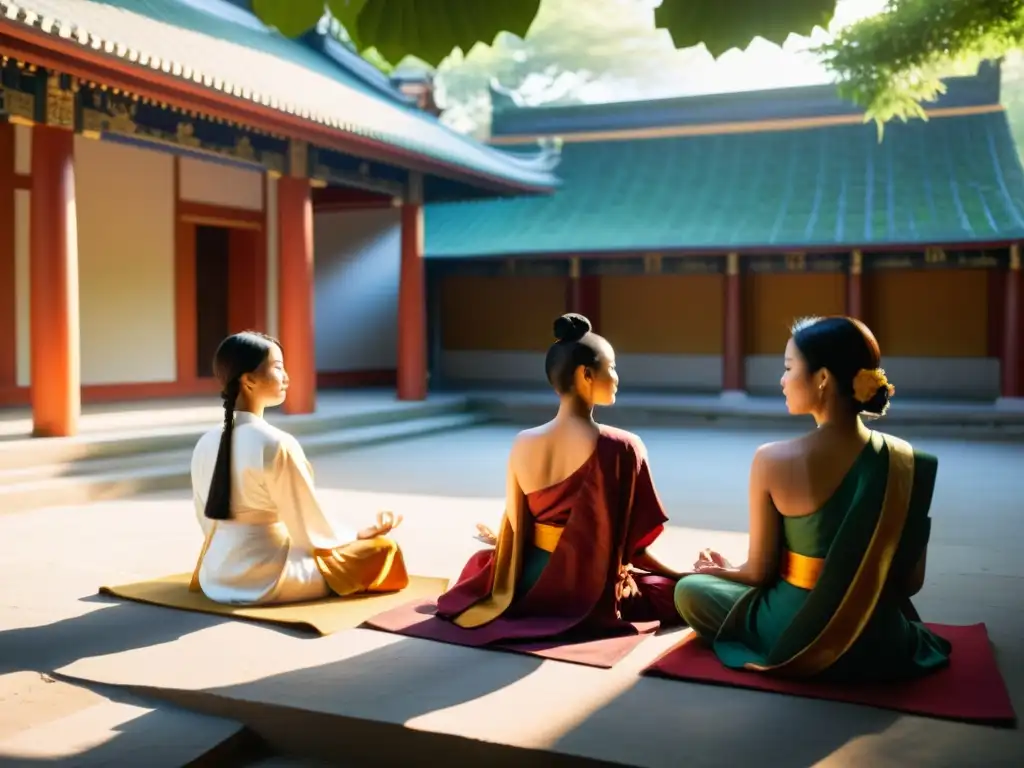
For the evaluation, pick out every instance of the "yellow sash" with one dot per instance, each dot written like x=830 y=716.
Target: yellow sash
x=193 y=585
x=546 y=537
x=800 y=570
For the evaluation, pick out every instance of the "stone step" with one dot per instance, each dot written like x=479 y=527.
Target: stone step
x=81 y=482
x=27 y=453
x=52 y=721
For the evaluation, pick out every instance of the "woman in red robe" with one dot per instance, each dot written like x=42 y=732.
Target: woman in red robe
x=581 y=510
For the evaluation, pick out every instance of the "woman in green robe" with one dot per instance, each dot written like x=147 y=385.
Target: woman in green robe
x=839 y=527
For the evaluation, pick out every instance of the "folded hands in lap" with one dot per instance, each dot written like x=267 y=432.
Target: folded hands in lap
x=386 y=522
x=486 y=535
x=712 y=563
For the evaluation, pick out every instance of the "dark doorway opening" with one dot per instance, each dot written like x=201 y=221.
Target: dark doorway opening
x=213 y=269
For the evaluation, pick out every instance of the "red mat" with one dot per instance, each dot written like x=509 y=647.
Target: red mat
x=417 y=619
x=970 y=689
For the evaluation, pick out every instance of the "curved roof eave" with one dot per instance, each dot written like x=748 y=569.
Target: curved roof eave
x=256 y=74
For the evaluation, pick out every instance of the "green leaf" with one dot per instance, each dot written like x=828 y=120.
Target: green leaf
x=892 y=64
x=347 y=12
x=432 y=29
x=291 y=17
x=726 y=24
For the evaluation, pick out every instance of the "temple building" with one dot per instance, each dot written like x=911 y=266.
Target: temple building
x=160 y=165
x=693 y=231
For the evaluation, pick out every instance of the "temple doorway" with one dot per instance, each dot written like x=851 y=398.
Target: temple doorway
x=227 y=287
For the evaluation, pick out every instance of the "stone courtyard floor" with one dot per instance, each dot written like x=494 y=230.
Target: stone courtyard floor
x=54 y=559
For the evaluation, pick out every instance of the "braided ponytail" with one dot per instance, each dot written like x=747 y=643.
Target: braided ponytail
x=236 y=356
x=218 y=500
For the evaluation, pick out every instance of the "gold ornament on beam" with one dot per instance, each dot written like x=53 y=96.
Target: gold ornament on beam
x=298 y=159
x=796 y=262
x=244 y=148
x=652 y=263
x=185 y=135
x=60 y=104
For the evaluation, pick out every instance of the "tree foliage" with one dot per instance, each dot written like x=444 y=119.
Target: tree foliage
x=892 y=64
x=613 y=50
x=432 y=29
x=725 y=24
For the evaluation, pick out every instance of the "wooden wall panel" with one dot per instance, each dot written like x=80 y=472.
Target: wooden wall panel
x=502 y=313
x=772 y=301
x=929 y=313
x=663 y=314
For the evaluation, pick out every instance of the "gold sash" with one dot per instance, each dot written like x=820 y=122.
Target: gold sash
x=194 y=583
x=800 y=570
x=546 y=537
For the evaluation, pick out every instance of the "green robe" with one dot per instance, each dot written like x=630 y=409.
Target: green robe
x=764 y=627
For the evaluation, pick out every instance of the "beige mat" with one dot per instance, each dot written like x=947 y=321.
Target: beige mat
x=322 y=616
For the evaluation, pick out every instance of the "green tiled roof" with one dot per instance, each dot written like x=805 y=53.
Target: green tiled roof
x=225 y=48
x=948 y=180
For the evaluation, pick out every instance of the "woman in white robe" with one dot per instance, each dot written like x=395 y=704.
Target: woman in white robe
x=267 y=539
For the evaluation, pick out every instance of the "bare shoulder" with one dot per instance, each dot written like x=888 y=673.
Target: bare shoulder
x=773 y=455
x=526 y=442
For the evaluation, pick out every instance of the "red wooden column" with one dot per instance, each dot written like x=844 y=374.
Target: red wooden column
x=854 y=297
x=53 y=284
x=1011 y=363
x=412 y=298
x=296 y=320
x=583 y=294
x=732 y=352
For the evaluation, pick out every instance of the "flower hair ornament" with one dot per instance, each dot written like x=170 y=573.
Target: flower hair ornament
x=867 y=382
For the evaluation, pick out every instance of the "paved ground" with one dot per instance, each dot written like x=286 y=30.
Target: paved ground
x=54 y=559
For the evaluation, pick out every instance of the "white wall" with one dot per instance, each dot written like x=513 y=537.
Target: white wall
x=697 y=373
x=273 y=245
x=125 y=207
x=125 y=199
x=357 y=255
x=938 y=377
x=952 y=378
x=219 y=184
x=22 y=200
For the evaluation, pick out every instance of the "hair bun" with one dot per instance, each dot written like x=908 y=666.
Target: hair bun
x=571 y=327
x=878 y=405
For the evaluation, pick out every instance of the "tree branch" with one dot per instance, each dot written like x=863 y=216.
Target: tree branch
x=892 y=63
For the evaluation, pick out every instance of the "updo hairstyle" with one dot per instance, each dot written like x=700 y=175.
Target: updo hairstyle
x=576 y=344
x=847 y=349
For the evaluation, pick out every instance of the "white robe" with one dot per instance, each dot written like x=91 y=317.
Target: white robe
x=264 y=553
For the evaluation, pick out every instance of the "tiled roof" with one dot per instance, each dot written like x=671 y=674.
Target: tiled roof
x=813 y=101
x=223 y=47
x=948 y=180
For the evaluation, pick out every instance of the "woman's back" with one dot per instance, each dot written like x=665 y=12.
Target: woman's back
x=545 y=456
x=891 y=644
x=254 y=446
x=805 y=473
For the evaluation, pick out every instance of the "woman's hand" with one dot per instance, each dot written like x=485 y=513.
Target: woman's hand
x=712 y=563
x=486 y=535
x=386 y=522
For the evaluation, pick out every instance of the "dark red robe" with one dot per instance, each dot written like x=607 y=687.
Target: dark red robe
x=611 y=512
